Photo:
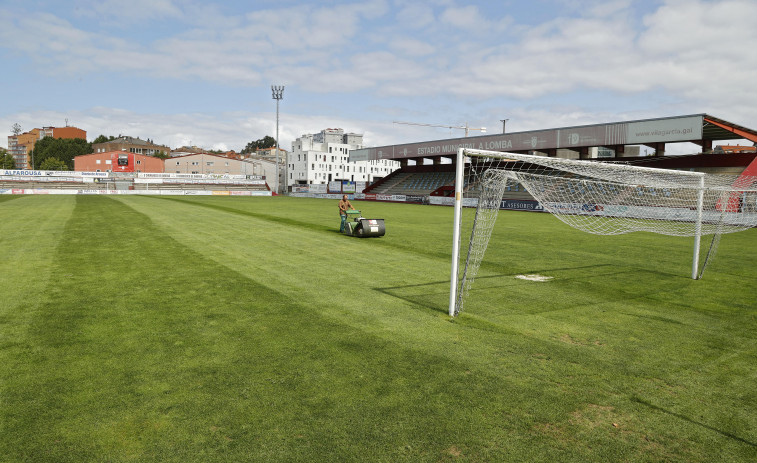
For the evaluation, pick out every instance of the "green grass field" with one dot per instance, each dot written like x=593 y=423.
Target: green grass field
x=248 y=329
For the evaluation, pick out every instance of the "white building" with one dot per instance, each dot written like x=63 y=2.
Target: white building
x=323 y=157
x=214 y=164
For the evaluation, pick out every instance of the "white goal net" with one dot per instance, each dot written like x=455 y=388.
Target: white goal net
x=603 y=198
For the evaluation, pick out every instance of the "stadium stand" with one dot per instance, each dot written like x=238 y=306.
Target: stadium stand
x=422 y=180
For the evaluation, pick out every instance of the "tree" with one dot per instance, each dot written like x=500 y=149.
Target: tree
x=16 y=129
x=64 y=149
x=102 y=139
x=160 y=155
x=265 y=142
x=53 y=164
x=6 y=160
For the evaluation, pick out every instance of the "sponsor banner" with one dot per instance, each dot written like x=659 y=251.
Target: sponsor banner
x=154 y=175
x=359 y=196
x=317 y=188
x=22 y=173
x=383 y=197
x=91 y=192
x=93 y=174
x=63 y=192
x=520 y=205
x=360 y=186
x=335 y=187
x=42 y=179
x=370 y=196
x=399 y=198
x=415 y=199
x=167 y=175
x=19 y=191
x=300 y=189
x=348 y=187
x=220 y=193
x=644 y=212
x=49 y=173
x=195 y=181
x=450 y=201
x=441 y=200
x=5 y=192
x=329 y=196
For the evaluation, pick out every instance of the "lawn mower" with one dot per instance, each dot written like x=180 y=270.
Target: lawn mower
x=357 y=225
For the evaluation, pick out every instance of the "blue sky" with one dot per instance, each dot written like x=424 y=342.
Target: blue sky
x=189 y=71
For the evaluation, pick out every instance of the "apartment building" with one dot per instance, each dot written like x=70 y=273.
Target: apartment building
x=21 y=145
x=324 y=157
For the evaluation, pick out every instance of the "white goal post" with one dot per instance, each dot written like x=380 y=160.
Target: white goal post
x=604 y=198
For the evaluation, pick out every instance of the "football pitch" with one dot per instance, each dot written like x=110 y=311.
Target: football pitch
x=136 y=328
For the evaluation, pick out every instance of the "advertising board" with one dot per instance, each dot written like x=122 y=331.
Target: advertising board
x=348 y=187
x=335 y=187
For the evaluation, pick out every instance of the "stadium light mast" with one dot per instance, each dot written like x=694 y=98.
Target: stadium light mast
x=504 y=122
x=278 y=95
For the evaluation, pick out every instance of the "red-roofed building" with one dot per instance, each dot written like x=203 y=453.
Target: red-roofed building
x=117 y=161
x=734 y=149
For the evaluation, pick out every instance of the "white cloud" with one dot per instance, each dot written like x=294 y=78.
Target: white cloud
x=411 y=47
x=120 y=12
x=231 y=130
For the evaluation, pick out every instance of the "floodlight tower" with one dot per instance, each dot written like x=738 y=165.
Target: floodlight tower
x=278 y=95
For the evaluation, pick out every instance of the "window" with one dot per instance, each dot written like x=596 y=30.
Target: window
x=209 y=163
x=97 y=161
x=107 y=161
x=139 y=161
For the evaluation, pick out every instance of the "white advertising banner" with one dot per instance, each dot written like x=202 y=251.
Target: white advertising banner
x=335 y=187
